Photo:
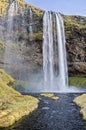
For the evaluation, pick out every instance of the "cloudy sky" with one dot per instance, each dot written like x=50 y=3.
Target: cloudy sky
x=73 y=7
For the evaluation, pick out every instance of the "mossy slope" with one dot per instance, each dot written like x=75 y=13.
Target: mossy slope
x=77 y=81
x=81 y=102
x=4 y=77
x=13 y=105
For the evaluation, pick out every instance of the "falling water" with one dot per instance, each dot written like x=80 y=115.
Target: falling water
x=9 y=59
x=48 y=50
x=54 y=53
x=30 y=27
x=9 y=34
x=10 y=21
x=62 y=51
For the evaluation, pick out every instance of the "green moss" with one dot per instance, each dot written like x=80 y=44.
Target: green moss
x=38 y=36
x=77 y=81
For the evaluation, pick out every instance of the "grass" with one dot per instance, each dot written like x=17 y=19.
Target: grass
x=4 y=77
x=81 y=102
x=77 y=81
x=50 y=95
x=72 y=23
x=13 y=105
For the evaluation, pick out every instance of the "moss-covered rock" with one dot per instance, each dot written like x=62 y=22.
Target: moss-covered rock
x=50 y=95
x=81 y=102
x=13 y=105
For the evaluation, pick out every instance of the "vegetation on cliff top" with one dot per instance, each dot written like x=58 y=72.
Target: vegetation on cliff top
x=74 y=22
x=4 y=4
x=13 y=105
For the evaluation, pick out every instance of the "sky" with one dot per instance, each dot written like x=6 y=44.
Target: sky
x=68 y=7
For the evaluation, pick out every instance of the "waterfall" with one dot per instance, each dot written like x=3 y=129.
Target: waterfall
x=30 y=27
x=48 y=50
x=10 y=20
x=54 y=53
x=9 y=58
x=9 y=33
x=62 y=51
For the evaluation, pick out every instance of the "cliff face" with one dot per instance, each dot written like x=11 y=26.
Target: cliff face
x=75 y=27
x=27 y=46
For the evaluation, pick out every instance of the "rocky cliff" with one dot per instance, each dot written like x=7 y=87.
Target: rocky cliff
x=75 y=28
x=27 y=47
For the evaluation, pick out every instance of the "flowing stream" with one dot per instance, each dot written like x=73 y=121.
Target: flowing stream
x=62 y=114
